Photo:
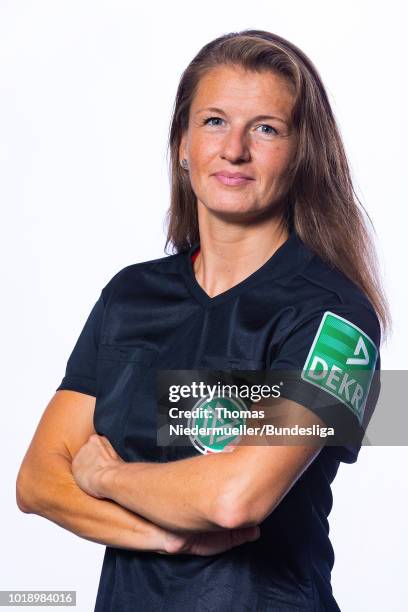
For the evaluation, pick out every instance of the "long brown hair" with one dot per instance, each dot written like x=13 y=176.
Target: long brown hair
x=321 y=204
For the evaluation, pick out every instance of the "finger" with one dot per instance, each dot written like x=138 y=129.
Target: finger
x=109 y=447
x=253 y=533
x=105 y=441
x=229 y=448
x=246 y=534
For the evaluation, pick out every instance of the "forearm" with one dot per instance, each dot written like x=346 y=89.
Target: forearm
x=54 y=494
x=190 y=494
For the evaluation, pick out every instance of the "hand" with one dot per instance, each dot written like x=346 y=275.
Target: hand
x=209 y=542
x=229 y=448
x=92 y=461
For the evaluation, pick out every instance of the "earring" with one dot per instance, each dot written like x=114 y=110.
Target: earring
x=184 y=163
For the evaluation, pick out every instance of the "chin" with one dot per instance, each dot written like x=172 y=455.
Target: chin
x=233 y=209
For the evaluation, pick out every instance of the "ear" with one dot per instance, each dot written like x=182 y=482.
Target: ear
x=182 y=147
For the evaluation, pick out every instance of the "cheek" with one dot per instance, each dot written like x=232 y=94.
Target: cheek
x=202 y=149
x=274 y=162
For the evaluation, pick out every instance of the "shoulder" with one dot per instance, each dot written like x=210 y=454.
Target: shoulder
x=332 y=282
x=320 y=288
x=132 y=272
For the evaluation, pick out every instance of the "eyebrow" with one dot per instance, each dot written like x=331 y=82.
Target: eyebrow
x=214 y=109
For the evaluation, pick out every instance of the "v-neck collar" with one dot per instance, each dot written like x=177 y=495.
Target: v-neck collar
x=289 y=256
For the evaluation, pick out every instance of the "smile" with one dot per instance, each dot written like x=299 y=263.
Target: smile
x=229 y=180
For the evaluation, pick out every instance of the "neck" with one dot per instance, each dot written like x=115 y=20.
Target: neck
x=226 y=258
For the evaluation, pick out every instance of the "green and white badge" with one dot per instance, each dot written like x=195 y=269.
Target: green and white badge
x=341 y=361
x=215 y=424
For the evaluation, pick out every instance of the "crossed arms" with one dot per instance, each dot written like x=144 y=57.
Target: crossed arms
x=229 y=489
x=73 y=477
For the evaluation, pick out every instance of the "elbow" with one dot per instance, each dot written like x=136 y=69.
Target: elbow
x=43 y=487
x=28 y=487
x=243 y=506
x=232 y=512
x=22 y=497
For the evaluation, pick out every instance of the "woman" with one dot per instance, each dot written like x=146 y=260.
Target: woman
x=273 y=268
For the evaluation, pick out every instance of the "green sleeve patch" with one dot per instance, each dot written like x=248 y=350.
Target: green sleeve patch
x=341 y=361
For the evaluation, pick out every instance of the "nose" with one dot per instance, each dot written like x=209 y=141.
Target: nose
x=235 y=146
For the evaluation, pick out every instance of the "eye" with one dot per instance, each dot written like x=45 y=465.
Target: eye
x=270 y=128
x=206 y=121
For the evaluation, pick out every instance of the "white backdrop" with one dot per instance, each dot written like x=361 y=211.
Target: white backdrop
x=84 y=117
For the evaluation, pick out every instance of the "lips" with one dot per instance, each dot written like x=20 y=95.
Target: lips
x=232 y=178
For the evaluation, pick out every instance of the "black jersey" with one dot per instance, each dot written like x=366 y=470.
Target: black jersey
x=155 y=316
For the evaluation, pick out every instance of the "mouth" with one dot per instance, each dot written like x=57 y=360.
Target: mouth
x=232 y=180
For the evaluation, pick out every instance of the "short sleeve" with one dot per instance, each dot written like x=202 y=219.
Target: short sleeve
x=331 y=359
x=80 y=372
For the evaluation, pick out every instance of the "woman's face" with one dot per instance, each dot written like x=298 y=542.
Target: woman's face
x=239 y=123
